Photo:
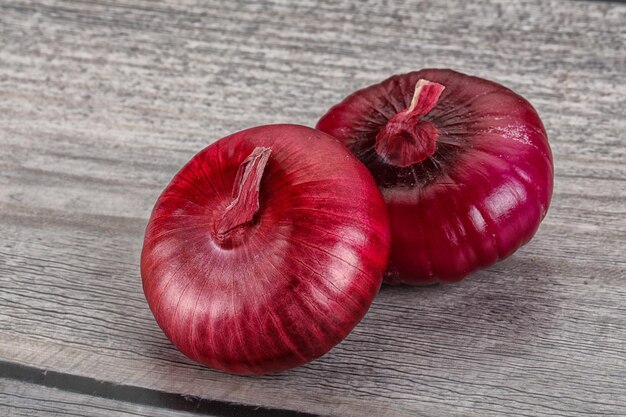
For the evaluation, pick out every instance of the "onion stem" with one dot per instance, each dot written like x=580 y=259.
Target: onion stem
x=407 y=139
x=241 y=212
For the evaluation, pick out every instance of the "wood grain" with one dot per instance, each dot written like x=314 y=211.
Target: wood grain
x=21 y=399
x=102 y=102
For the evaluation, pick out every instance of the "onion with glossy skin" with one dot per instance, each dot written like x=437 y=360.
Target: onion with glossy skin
x=265 y=250
x=463 y=163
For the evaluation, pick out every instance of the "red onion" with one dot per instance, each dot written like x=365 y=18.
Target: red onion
x=265 y=250
x=463 y=163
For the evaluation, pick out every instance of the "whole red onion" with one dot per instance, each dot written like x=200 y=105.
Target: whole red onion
x=265 y=250
x=463 y=163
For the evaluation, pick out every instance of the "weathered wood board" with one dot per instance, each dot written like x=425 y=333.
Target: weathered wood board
x=102 y=102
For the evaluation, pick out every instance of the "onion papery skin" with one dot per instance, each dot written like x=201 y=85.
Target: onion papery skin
x=480 y=196
x=295 y=281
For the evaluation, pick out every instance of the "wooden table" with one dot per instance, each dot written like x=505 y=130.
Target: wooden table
x=101 y=102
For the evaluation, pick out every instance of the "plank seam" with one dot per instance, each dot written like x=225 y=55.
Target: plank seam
x=137 y=395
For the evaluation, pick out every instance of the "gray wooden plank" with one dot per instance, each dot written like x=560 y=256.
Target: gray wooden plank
x=101 y=103
x=535 y=328
x=22 y=399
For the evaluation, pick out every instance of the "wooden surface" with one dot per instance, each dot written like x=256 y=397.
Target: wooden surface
x=102 y=102
x=19 y=399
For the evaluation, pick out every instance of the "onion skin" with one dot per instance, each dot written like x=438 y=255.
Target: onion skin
x=480 y=196
x=287 y=286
